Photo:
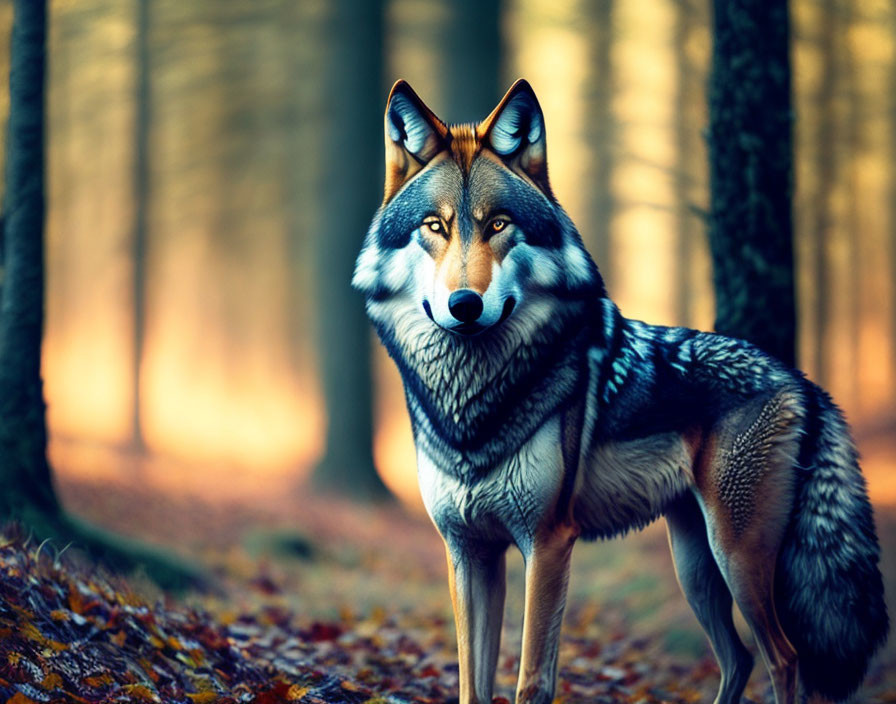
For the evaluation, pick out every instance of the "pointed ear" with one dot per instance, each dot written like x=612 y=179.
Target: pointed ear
x=414 y=135
x=515 y=132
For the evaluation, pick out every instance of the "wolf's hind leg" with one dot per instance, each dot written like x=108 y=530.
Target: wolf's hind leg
x=747 y=497
x=752 y=584
x=706 y=592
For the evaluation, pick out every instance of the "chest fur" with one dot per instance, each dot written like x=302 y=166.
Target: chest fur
x=508 y=503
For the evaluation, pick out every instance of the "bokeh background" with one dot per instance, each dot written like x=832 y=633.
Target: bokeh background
x=203 y=157
x=229 y=99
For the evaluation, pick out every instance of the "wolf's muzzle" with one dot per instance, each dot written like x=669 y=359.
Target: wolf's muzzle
x=466 y=309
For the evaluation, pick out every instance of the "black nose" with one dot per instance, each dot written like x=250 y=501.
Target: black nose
x=465 y=305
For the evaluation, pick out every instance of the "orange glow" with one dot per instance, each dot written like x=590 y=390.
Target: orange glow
x=393 y=444
x=396 y=459
x=230 y=399
x=87 y=387
x=214 y=482
x=553 y=57
x=198 y=407
x=244 y=421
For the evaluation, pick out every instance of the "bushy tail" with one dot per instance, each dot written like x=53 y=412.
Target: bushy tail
x=830 y=594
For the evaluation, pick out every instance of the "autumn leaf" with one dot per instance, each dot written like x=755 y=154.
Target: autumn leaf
x=52 y=680
x=141 y=692
x=19 y=698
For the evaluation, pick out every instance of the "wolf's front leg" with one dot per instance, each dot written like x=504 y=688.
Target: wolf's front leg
x=547 y=575
x=476 y=574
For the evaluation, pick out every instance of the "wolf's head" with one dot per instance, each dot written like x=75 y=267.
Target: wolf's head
x=469 y=240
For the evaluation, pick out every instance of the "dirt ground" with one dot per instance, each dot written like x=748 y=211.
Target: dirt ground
x=275 y=549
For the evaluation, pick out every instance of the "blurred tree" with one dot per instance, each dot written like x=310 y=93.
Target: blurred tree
x=891 y=160
x=303 y=42
x=26 y=487
x=600 y=133
x=350 y=155
x=852 y=233
x=451 y=51
x=684 y=137
x=751 y=168
x=471 y=58
x=820 y=213
x=141 y=206
x=2 y=248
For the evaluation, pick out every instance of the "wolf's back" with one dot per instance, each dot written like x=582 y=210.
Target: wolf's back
x=830 y=593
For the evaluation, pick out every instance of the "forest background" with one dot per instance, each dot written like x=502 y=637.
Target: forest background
x=201 y=230
x=221 y=299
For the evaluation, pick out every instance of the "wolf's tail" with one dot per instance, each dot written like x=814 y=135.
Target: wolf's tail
x=830 y=594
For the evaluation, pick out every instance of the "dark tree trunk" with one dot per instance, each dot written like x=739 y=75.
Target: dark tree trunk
x=25 y=482
x=351 y=171
x=600 y=136
x=751 y=174
x=141 y=208
x=26 y=487
x=471 y=55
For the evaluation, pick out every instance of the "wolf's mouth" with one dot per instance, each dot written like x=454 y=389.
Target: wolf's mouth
x=509 y=305
x=473 y=328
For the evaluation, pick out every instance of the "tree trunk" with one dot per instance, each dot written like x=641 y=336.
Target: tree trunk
x=25 y=481
x=892 y=214
x=820 y=209
x=684 y=178
x=141 y=209
x=26 y=487
x=600 y=136
x=751 y=174
x=471 y=57
x=853 y=225
x=351 y=171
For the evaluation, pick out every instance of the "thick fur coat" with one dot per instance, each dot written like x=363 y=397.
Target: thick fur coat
x=541 y=414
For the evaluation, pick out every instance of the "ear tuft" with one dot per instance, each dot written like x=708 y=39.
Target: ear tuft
x=414 y=135
x=519 y=124
x=515 y=132
x=411 y=125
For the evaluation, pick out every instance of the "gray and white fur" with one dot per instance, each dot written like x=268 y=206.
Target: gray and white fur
x=562 y=412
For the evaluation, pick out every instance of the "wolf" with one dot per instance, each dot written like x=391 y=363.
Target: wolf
x=541 y=415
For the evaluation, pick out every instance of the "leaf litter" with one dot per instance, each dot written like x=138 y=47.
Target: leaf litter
x=365 y=620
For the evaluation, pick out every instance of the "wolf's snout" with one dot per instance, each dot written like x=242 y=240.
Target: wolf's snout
x=465 y=305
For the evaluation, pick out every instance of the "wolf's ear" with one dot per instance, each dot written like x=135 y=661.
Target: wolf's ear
x=414 y=135
x=515 y=131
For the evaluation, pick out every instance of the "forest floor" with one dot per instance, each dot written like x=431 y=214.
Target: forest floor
x=318 y=600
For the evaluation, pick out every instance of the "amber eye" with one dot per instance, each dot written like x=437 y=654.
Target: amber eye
x=435 y=226
x=497 y=225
